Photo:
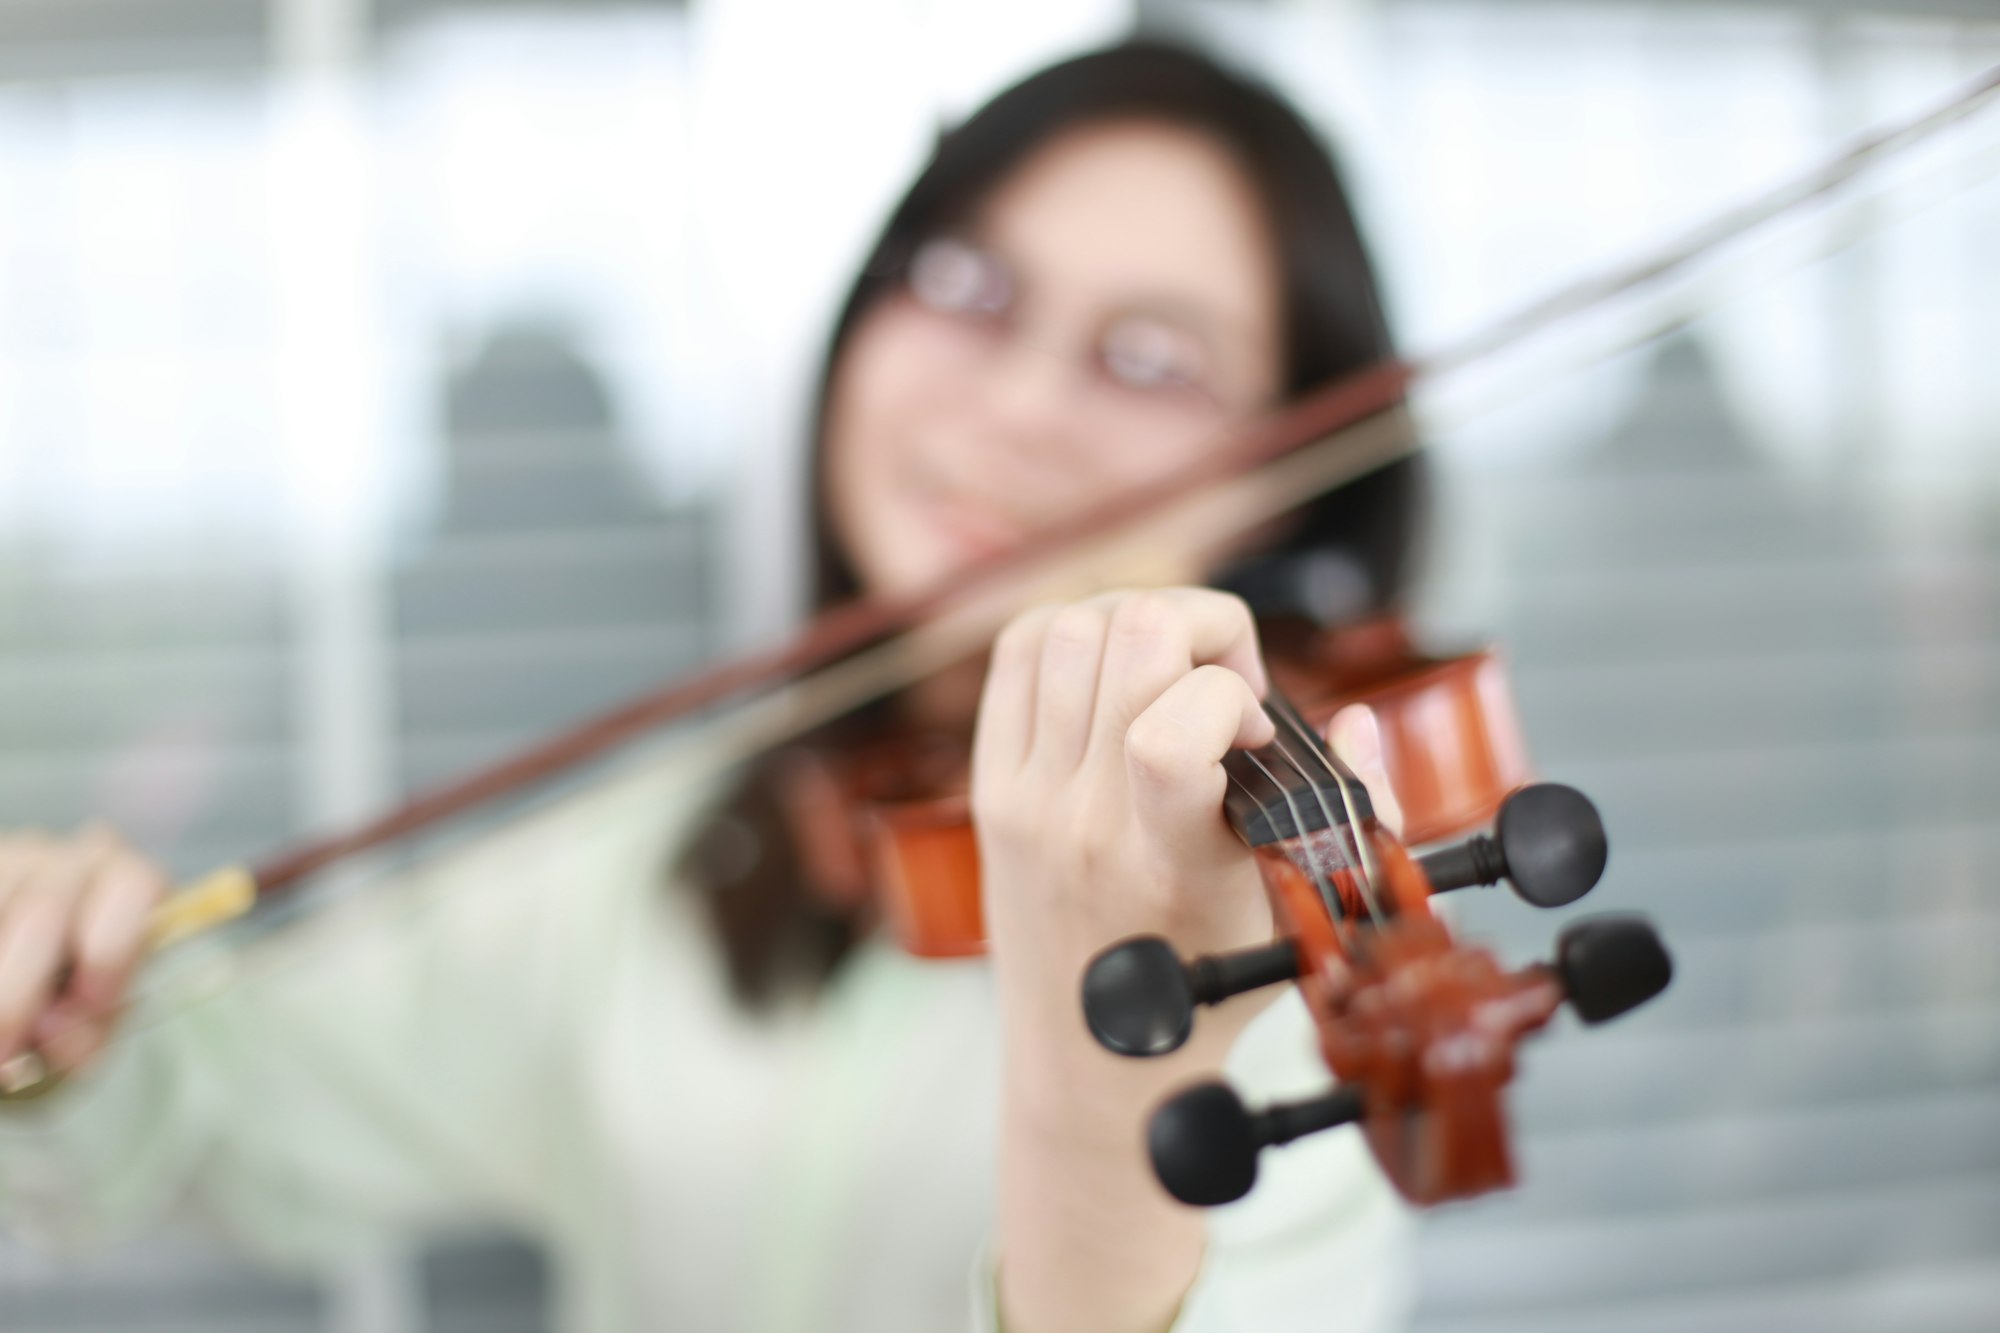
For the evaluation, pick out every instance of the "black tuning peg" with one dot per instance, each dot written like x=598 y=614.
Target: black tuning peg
x=1611 y=964
x=1548 y=843
x=1204 y=1141
x=1139 y=997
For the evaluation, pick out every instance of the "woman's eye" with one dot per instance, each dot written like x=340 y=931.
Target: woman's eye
x=952 y=277
x=1150 y=354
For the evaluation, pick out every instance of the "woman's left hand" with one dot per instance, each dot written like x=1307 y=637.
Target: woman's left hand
x=1097 y=786
x=1097 y=794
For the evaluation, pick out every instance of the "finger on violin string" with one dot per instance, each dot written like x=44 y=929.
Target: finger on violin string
x=1067 y=683
x=1157 y=636
x=1004 y=729
x=1174 y=749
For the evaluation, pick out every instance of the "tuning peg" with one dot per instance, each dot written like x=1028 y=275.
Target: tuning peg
x=1204 y=1142
x=1611 y=964
x=1548 y=843
x=1139 y=998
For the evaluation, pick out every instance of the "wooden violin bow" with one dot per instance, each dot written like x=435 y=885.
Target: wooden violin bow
x=864 y=649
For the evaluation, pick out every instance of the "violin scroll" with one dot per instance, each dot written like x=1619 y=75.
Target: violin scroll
x=1204 y=1142
x=1139 y=998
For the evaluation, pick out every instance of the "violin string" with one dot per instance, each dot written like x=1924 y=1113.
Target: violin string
x=1346 y=781
x=1320 y=881
x=1270 y=813
x=1362 y=863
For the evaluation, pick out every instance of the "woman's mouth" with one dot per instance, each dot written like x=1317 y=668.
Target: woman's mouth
x=972 y=529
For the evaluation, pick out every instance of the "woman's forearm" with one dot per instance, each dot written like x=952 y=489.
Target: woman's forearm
x=1088 y=1241
x=1097 y=790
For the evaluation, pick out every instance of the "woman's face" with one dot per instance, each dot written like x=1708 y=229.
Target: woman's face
x=1109 y=311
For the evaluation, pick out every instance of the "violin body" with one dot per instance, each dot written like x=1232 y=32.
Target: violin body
x=1450 y=741
x=1450 y=736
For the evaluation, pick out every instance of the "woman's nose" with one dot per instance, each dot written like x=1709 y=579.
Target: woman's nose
x=1030 y=402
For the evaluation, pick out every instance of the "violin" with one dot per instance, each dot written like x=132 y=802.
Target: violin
x=892 y=821
x=1418 y=1029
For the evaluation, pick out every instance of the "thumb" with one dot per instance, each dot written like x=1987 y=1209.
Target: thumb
x=1355 y=734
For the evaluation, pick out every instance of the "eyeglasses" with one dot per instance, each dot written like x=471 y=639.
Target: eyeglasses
x=1140 y=353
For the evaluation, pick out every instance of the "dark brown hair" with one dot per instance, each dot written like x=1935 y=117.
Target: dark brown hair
x=1344 y=555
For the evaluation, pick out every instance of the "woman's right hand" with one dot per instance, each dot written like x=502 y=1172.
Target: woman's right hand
x=74 y=913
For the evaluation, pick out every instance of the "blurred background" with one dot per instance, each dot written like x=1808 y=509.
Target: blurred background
x=383 y=382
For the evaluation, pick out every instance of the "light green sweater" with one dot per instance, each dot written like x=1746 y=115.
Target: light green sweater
x=534 y=1030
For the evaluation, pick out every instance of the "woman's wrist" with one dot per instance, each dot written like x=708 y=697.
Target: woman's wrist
x=1087 y=1241
x=1060 y=1084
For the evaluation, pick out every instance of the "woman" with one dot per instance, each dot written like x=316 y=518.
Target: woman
x=726 y=1104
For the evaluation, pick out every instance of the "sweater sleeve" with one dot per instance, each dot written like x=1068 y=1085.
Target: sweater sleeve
x=398 y=1064
x=1321 y=1244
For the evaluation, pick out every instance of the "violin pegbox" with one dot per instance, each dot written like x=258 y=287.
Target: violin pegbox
x=1418 y=1029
